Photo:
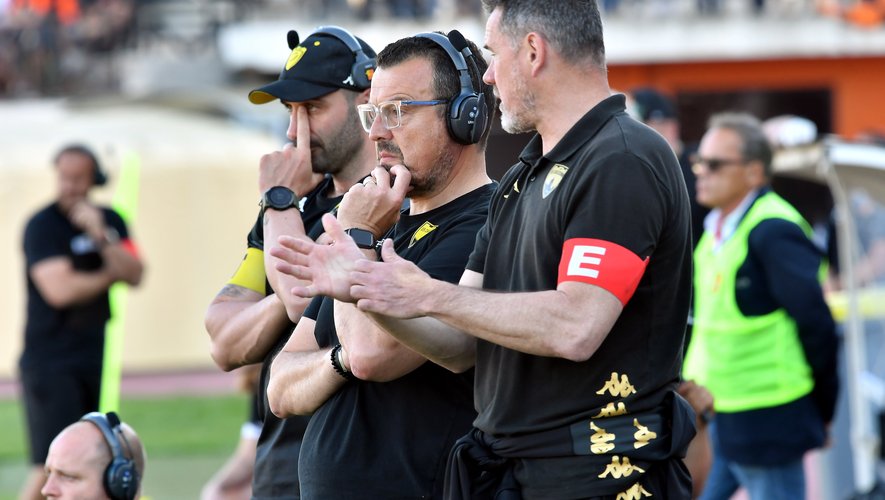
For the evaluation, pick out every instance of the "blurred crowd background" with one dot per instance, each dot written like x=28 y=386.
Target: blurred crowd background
x=74 y=47
x=163 y=84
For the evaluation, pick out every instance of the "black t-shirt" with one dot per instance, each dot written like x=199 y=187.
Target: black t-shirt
x=614 y=187
x=390 y=440
x=73 y=334
x=276 y=459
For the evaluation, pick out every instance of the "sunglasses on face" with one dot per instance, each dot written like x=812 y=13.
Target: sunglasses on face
x=713 y=164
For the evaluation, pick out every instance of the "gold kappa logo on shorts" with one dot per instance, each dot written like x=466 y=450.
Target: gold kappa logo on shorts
x=554 y=177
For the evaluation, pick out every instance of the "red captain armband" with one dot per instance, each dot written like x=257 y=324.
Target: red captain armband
x=602 y=263
x=130 y=247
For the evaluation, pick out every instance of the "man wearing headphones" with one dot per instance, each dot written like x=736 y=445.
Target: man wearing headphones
x=383 y=417
x=74 y=251
x=573 y=304
x=325 y=78
x=98 y=457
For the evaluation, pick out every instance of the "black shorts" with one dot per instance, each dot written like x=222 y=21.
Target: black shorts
x=54 y=399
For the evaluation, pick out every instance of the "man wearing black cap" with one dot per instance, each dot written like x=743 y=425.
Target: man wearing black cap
x=572 y=306
x=383 y=418
x=325 y=77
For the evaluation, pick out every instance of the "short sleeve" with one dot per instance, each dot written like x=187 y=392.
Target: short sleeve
x=255 y=238
x=41 y=241
x=613 y=223
x=477 y=259
x=448 y=257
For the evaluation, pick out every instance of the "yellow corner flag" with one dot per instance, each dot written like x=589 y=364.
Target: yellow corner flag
x=125 y=203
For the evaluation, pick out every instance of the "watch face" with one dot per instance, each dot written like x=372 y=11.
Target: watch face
x=280 y=197
x=362 y=238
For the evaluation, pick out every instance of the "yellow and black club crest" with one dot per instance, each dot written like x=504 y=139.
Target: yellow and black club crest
x=554 y=177
x=295 y=56
x=421 y=232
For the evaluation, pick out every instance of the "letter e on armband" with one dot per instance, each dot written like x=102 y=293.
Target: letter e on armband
x=602 y=263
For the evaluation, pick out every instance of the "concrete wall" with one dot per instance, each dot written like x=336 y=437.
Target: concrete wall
x=198 y=199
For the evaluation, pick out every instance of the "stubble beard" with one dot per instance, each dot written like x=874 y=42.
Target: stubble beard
x=340 y=149
x=518 y=120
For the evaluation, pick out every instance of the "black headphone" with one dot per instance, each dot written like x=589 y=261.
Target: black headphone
x=467 y=113
x=100 y=178
x=120 y=476
x=363 y=65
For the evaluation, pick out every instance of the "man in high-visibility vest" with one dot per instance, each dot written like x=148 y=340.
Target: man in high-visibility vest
x=764 y=342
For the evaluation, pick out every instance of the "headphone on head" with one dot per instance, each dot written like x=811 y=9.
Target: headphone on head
x=363 y=65
x=120 y=478
x=100 y=178
x=467 y=113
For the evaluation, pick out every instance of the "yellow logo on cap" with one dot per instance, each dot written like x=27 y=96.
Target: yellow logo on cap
x=295 y=56
x=422 y=231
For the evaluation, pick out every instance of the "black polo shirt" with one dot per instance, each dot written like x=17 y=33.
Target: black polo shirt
x=72 y=335
x=390 y=440
x=607 y=205
x=276 y=457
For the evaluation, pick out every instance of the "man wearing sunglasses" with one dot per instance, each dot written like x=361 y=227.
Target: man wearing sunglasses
x=764 y=341
x=324 y=78
x=383 y=417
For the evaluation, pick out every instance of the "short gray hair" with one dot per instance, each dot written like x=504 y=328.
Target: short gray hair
x=573 y=27
x=755 y=144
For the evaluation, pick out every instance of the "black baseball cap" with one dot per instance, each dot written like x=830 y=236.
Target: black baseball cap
x=653 y=105
x=319 y=65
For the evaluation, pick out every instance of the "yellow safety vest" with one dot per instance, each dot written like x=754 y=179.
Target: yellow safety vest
x=745 y=362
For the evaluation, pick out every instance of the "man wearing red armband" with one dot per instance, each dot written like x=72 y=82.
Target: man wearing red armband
x=74 y=251
x=574 y=302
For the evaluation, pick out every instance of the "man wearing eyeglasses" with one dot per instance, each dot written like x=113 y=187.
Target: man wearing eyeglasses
x=383 y=417
x=764 y=341
x=573 y=304
x=324 y=78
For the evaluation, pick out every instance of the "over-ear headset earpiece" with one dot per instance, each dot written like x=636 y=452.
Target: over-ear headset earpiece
x=363 y=65
x=120 y=477
x=100 y=178
x=467 y=113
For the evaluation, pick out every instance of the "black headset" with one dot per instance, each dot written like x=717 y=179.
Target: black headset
x=100 y=178
x=363 y=65
x=467 y=113
x=120 y=477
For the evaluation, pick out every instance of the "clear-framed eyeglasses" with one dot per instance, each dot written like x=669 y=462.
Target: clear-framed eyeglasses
x=391 y=112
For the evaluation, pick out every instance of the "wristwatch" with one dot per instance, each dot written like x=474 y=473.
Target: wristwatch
x=362 y=238
x=279 y=198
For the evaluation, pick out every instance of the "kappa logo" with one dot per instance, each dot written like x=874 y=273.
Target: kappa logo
x=635 y=492
x=617 y=387
x=642 y=435
x=619 y=468
x=554 y=177
x=421 y=232
x=349 y=80
x=295 y=56
x=610 y=410
x=514 y=189
x=601 y=441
